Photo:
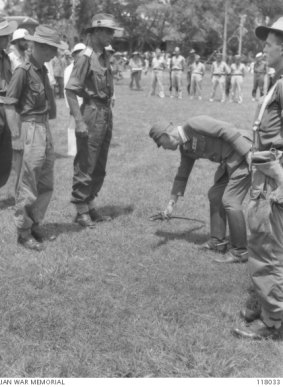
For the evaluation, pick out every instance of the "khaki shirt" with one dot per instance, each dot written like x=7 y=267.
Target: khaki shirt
x=92 y=77
x=30 y=91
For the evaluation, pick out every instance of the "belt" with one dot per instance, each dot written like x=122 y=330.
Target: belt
x=157 y=69
x=176 y=69
x=218 y=75
x=35 y=118
x=98 y=102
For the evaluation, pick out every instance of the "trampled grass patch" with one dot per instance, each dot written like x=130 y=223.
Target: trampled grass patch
x=131 y=298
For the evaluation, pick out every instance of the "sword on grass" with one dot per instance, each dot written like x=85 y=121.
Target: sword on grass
x=161 y=216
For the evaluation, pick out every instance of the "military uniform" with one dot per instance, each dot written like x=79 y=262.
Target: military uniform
x=31 y=94
x=92 y=80
x=218 y=70
x=265 y=219
x=197 y=73
x=5 y=135
x=260 y=71
x=177 y=67
x=218 y=141
x=237 y=76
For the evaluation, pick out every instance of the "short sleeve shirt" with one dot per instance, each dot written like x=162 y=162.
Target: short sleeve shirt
x=92 y=76
x=197 y=68
x=219 y=68
x=30 y=91
x=178 y=62
x=237 y=69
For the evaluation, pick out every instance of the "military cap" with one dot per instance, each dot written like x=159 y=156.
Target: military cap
x=7 y=28
x=47 y=35
x=103 y=20
x=262 y=31
x=158 y=129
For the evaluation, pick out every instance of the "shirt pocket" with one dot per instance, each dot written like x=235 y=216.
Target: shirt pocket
x=37 y=94
x=100 y=80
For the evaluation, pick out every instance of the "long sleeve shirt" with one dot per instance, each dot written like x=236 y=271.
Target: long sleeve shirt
x=207 y=138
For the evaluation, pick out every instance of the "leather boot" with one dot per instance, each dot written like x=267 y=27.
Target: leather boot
x=237 y=227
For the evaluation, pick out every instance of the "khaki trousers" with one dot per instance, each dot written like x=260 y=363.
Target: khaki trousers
x=218 y=81
x=157 y=80
x=35 y=184
x=265 y=244
x=177 y=82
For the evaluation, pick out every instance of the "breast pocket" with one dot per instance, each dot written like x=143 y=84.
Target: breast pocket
x=100 y=80
x=195 y=145
x=37 y=94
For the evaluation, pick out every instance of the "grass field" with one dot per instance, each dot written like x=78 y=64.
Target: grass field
x=130 y=298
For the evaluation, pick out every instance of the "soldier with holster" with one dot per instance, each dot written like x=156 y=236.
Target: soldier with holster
x=220 y=142
x=92 y=80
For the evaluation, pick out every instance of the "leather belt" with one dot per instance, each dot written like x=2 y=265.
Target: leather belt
x=98 y=102
x=35 y=118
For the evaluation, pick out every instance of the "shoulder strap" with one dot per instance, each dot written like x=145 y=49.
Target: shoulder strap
x=265 y=102
x=260 y=115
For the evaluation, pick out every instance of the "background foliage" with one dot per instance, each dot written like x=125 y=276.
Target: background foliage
x=147 y=23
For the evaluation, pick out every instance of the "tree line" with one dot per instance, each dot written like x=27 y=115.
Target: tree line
x=147 y=24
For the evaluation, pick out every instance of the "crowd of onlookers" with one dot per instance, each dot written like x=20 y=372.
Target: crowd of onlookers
x=227 y=76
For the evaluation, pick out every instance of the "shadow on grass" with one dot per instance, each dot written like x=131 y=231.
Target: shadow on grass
x=116 y=211
x=190 y=236
x=60 y=228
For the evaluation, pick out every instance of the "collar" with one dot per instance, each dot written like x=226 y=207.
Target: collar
x=182 y=134
x=36 y=65
x=278 y=75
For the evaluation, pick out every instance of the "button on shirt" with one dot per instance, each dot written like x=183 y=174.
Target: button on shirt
x=92 y=76
x=30 y=91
